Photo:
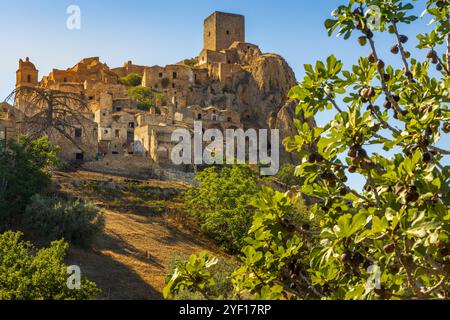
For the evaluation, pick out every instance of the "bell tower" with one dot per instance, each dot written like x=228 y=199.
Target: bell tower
x=27 y=74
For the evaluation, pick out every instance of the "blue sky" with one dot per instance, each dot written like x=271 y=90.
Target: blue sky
x=162 y=32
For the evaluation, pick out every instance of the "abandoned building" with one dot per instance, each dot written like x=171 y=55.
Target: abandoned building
x=231 y=84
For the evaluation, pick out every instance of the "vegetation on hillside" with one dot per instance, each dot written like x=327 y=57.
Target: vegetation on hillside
x=52 y=218
x=389 y=240
x=132 y=80
x=22 y=175
x=221 y=203
x=29 y=273
x=146 y=98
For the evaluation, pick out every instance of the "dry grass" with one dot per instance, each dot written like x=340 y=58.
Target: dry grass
x=129 y=261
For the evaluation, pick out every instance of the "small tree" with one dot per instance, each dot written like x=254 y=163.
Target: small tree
x=221 y=203
x=28 y=273
x=23 y=174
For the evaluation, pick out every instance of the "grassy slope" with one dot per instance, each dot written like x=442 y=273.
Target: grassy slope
x=144 y=228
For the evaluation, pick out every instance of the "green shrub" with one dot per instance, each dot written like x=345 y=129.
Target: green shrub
x=221 y=204
x=75 y=221
x=27 y=273
x=23 y=174
x=145 y=98
x=191 y=62
x=132 y=80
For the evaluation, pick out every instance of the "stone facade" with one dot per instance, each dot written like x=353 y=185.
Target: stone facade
x=221 y=30
x=231 y=84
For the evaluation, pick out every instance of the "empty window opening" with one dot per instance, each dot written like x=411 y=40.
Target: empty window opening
x=65 y=79
x=131 y=125
x=174 y=75
x=173 y=85
x=79 y=156
x=91 y=98
x=117 y=133
x=29 y=78
x=228 y=32
x=229 y=119
x=78 y=133
x=199 y=116
x=160 y=75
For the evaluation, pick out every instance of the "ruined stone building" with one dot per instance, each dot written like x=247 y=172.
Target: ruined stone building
x=231 y=84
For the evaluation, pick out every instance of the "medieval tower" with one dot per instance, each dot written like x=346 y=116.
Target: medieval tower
x=222 y=30
x=27 y=74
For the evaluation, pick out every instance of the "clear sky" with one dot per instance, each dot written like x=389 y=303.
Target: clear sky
x=163 y=32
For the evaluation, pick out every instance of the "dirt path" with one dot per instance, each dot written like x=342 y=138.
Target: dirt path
x=130 y=260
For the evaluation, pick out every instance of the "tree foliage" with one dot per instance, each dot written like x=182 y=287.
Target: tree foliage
x=132 y=80
x=221 y=203
x=146 y=98
x=28 y=273
x=23 y=174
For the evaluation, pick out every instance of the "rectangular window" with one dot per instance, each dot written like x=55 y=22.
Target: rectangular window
x=160 y=75
x=117 y=133
x=79 y=156
x=131 y=125
x=175 y=75
x=78 y=133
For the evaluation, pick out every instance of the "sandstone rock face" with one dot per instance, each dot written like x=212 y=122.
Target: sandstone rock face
x=259 y=93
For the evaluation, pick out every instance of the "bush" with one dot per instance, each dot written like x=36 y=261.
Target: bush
x=145 y=98
x=77 y=222
x=191 y=62
x=221 y=204
x=132 y=80
x=27 y=273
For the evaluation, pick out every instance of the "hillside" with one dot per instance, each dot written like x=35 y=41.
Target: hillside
x=144 y=229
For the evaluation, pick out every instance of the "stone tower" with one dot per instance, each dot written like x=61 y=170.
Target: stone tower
x=222 y=30
x=27 y=74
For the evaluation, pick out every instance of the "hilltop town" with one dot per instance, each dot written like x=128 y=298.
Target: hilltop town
x=231 y=84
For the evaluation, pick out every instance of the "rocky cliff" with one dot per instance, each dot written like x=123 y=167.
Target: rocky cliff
x=259 y=93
